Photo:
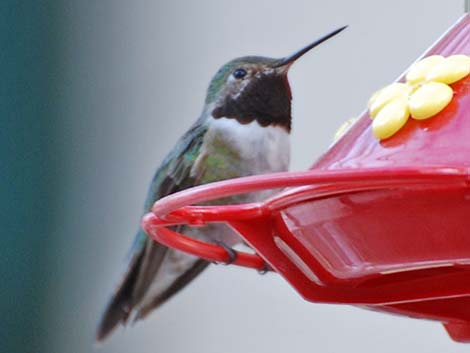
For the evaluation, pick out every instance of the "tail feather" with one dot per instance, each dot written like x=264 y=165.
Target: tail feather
x=141 y=271
x=174 y=288
x=155 y=273
x=120 y=306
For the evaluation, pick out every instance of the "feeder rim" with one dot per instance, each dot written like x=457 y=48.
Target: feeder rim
x=331 y=182
x=176 y=209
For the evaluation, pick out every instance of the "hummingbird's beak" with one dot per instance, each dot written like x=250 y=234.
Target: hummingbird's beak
x=286 y=62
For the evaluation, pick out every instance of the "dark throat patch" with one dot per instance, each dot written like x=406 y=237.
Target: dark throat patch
x=266 y=99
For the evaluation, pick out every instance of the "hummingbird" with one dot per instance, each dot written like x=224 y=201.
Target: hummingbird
x=243 y=130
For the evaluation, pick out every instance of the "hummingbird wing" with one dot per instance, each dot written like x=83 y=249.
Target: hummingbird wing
x=148 y=257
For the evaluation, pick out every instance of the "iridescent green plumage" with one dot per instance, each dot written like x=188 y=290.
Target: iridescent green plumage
x=174 y=174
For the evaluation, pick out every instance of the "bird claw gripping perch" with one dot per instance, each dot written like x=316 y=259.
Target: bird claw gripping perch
x=231 y=253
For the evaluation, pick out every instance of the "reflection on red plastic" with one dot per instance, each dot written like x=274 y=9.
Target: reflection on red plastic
x=379 y=224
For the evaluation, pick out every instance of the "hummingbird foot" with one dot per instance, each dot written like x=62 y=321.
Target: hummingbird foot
x=232 y=254
x=265 y=269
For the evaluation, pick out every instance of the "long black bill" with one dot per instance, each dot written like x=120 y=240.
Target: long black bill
x=295 y=56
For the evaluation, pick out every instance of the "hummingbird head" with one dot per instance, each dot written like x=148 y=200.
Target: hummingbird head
x=256 y=88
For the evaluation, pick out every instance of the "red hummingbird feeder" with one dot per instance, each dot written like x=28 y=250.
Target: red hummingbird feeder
x=383 y=224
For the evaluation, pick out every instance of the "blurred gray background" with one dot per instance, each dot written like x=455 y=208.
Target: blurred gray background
x=99 y=92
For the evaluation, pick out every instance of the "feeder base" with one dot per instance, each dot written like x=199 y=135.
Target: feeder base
x=459 y=332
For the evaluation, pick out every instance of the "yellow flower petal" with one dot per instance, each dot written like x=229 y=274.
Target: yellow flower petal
x=429 y=99
x=452 y=69
x=386 y=95
x=390 y=119
x=419 y=70
x=343 y=128
x=373 y=98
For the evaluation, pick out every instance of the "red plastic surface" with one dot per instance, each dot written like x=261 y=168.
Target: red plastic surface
x=381 y=224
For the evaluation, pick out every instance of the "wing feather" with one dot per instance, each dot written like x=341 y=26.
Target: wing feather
x=147 y=256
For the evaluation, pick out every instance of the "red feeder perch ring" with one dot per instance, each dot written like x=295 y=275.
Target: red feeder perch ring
x=381 y=224
x=157 y=228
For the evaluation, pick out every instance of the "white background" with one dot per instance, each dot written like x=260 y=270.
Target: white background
x=134 y=78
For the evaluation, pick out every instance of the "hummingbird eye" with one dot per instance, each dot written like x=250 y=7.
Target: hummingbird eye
x=239 y=73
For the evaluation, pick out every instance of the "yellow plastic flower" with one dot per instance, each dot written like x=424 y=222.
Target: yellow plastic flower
x=425 y=93
x=344 y=128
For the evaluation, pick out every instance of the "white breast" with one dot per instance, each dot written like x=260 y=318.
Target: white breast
x=262 y=149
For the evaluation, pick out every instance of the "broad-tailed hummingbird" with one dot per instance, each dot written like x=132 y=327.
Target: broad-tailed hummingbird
x=243 y=130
